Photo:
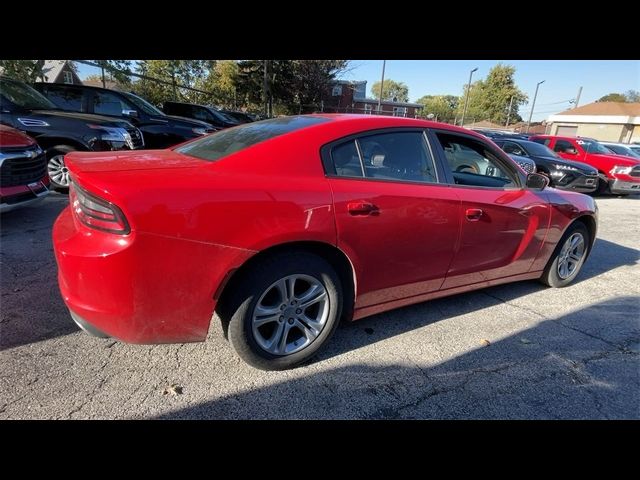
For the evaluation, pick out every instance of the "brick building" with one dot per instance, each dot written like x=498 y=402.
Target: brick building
x=345 y=96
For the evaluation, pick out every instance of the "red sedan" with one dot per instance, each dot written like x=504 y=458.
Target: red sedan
x=285 y=226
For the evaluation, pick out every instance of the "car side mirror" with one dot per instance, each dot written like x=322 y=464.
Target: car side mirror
x=537 y=181
x=130 y=113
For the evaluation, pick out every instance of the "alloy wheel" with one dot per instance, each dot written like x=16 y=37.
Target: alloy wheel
x=58 y=171
x=290 y=314
x=571 y=255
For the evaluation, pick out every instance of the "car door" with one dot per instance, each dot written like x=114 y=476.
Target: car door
x=503 y=223
x=394 y=220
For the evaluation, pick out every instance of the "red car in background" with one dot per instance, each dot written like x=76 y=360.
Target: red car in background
x=618 y=175
x=23 y=170
x=285 y=226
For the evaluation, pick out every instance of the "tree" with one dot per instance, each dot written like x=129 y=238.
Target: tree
x=489 y=99
x=613 y=97
x=629 y=96
x=24 y=70
x=172 y=73
x=391 y=90
x=116 y=70
x=632 y=96
x=442 y=107
x=293 y=86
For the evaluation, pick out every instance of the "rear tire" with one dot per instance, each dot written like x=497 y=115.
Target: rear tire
x=283 y=310
x=568 y=257
x=56 y=168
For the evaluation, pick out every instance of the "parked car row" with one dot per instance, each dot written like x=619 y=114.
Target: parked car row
x=579 y=164
x=63 y=118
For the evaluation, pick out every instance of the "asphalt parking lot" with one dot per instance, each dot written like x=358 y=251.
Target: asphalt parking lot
x=513 y=351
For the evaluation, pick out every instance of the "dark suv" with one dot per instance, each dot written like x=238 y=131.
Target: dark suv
x=159 y=130
x=59 y=132
x=200 y=112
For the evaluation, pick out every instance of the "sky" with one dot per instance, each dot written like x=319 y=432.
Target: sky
x=447 y=77
x=562 y=79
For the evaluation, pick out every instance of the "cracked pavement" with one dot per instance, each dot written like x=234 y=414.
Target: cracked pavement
x=512 y=351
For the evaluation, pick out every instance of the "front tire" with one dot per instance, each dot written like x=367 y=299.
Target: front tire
x=284 y=310
x=56 y=168
x=569 y=256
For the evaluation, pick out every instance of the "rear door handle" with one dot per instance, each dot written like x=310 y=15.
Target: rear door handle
x=473 y=214
x=362 y=209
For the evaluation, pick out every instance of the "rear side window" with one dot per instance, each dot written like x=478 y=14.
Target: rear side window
x=389 y=156
x=66 y=98
x=220 y=144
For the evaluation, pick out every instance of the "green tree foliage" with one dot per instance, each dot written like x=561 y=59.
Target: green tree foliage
x=222 y=82
x=628 y=96
x=489 y=98
x=293 y=86
x=442 y=107
x=391 y=90
x=175 y=72
x=116 y=70
x=24 y=70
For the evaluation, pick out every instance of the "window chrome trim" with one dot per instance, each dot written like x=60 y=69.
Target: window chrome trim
x=359 y=149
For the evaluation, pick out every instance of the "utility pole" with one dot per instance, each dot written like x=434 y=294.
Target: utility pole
x=104 y=84
x=466 y=100
x=533 y=105
x=264 y=87
x=578 y=97
x=384 y=64
x=509 y=112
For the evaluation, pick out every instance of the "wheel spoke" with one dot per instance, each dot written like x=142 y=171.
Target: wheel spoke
x=575 y=256
x=259 y=321
x=314 y=295
x=280 y=341
x=309 y=327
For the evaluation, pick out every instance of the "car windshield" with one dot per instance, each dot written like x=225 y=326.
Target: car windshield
x=221 y=116
x=591 y=146
x=24 y=96
x=538 y=150
x=225 y=142
x=143 y=105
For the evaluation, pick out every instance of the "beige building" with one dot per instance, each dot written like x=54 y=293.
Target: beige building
x=605 y=121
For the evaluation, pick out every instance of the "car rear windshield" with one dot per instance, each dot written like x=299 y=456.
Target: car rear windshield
x=225 y=142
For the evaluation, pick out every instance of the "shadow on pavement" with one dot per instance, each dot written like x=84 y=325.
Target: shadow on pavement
x=581 y=365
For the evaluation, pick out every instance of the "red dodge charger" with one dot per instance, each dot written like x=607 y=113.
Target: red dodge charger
x=285 y=226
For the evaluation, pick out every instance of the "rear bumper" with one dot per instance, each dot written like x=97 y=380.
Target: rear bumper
x=621 y=186
x=139 y=288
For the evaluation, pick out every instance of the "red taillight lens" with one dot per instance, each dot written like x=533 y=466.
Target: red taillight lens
x=96 y=212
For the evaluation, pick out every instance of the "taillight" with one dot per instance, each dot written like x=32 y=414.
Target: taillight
x=96 y=212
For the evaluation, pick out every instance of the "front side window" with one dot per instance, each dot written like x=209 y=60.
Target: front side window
x=472 y=163
x=106 y=103
x=402 y=156
x=563 y=146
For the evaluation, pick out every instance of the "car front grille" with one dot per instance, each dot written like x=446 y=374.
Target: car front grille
x=136 y=138
x=22 y=166
x=635 y=172
x=527 y=167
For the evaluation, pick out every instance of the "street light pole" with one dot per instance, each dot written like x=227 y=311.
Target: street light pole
x=466 y=100
x=533 y=105
x=384 y=64
x=509 y=112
